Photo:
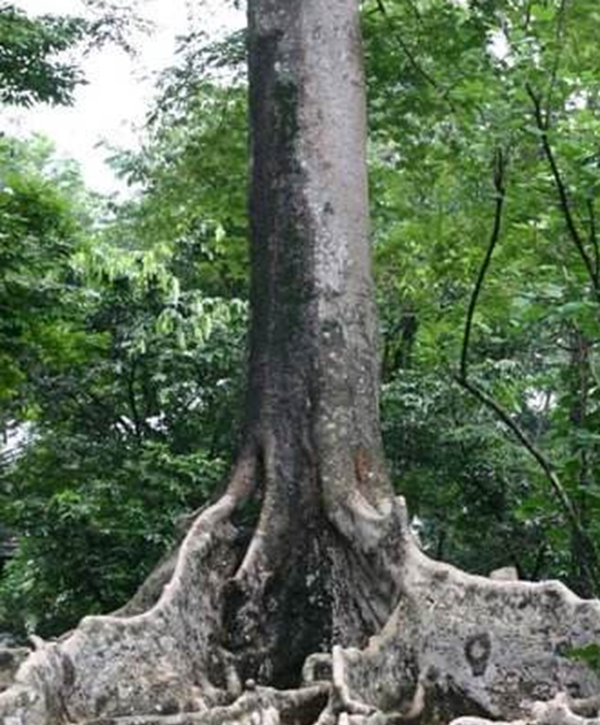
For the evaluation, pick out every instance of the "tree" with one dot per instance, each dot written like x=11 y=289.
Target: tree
x=126 y=396
x=29 y=70
x=32 y=69
x=308 y=549
x=42 y=209
x=96 y=364
x=118 y=375
x=444 y=101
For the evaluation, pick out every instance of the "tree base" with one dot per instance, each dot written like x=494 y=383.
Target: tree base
x=454 y=645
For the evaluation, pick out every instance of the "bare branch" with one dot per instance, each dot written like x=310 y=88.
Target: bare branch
x=563 y=195
x=499 y=173
x=415 y=10
x=594 y=236
x=559 y=49
x=591 y=556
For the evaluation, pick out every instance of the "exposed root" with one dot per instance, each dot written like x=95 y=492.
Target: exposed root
x=560 y=710
x=165 y=653
x=10 y=661
x=456 y=645
x=475 y=646
x=344 y=709
x=162 y=660
x=343 y=700
x=260 y=706
x=317 y=669
x=261 y=559
x=586 y=707
x=246 y=589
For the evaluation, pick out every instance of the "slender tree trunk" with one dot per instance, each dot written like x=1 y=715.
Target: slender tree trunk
x=578 y=382
x=318 y=563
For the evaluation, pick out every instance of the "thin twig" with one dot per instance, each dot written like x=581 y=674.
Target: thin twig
x=527 y=21
x=415 y=10
x=548 y=469
x=411 y=56
x=523 y=438
x=139 y=424
x=594 y=236
x=560 y=29
x=563 y=195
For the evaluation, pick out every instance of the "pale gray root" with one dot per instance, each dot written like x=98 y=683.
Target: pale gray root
x=161 y=661
x=256 y=706
x=560 y=710
x=474 y=645
x=455 y=645
x=506 y=573
x=10 y=661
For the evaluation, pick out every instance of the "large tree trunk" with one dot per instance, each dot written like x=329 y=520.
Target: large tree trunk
x=312 y=413
x=307 y=549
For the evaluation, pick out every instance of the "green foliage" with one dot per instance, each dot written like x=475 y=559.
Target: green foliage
x=30 y=71
x=121 y=339
x=93 y=517
x=127 y=379
x=40 y=226
x=451 y=83
x=193 y=172
x=37 y=64
x=589 y=655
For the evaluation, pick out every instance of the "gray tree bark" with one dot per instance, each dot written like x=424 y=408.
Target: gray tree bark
x=312 y=412
x=325 y=593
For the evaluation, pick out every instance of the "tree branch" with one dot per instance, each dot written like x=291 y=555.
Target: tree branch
x=560 y=29
x=499 y=173
x=561 y=188
x=131 y=398
x=415 y=10
x=591 y=563
x=529 y=446
x=527 y=20
x=411 y=56
x=545 y=464
x=594 y=236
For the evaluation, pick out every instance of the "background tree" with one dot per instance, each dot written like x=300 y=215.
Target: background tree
x=115 y=371
x=34 y=66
